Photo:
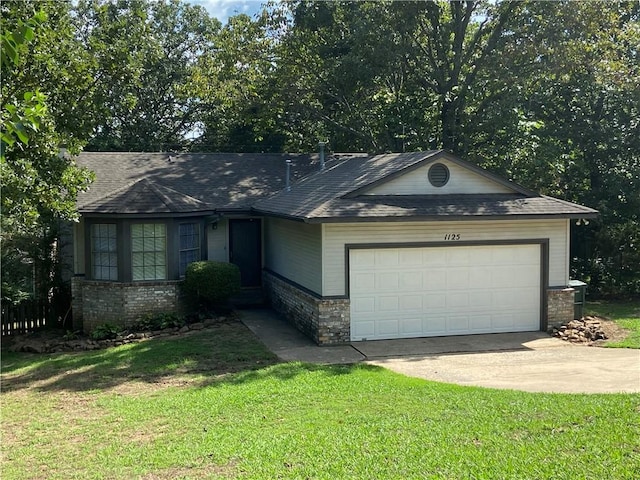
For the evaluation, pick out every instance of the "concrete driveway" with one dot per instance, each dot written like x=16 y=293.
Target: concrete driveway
x=530 y=361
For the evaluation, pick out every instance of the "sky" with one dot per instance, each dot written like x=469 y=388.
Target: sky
x=223 y=9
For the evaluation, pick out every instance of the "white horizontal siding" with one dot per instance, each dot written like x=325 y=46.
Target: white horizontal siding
x=217 y=242
x=294 y=250
x=461 y=180
x=337 y=235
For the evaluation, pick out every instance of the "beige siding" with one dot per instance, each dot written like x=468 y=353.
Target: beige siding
x=294 y=250
x=217 y=240
x=461 y=180
x=337 y=235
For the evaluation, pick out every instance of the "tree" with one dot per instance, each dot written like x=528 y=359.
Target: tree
x=39 y=186
x=238 y=88
x=144 y=57
x=542 y=92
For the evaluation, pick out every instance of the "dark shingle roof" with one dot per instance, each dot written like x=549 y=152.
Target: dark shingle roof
x=179 y=182
x=145 y=196
x=162 y=183
x=332 y=195
x=436 y=207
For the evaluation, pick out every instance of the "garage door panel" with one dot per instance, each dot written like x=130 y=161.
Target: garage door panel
x=457 y=257
x=364 y=259
x=385 y=281
x=458 y=278
x=503 y=277
x=457 y=324
x=411 y=326
x=407 y=257
x=478 y=277
x=411 y=280
x=387 y=327
x=386 y=257
x=362 y=283
x=431 y=258
x=433 y=325
x=411 y=303
x=481 y=322
x=433 y=291
x=388 y=303
x=457 y=300
x=481 y=299
x=434 y=301
x=364 y=329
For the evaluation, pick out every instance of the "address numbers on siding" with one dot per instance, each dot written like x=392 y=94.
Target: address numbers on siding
x=452 y=236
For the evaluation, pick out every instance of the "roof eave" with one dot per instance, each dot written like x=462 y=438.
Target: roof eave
x=450 y=218
x=197 y=213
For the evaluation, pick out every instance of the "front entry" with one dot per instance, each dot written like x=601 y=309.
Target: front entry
x=245 y=250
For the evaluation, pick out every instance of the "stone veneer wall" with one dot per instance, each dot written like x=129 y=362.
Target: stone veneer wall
x=96 y=302
x=325 y=320
x=559 y=306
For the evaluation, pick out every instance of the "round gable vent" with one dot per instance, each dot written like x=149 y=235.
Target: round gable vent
x=438 y=175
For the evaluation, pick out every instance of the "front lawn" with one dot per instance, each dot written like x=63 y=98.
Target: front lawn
x=215 y=404
x=625 y=314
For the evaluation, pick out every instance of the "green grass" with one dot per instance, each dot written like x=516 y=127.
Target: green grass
x=625 y=314
x=216 y=405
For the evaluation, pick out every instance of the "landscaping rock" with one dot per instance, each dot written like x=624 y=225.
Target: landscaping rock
x=53 y=342
x=586 y=330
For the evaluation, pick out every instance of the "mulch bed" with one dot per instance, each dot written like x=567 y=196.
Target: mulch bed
x=52 y=341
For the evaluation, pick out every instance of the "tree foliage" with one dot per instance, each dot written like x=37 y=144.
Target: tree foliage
x=544 y=93
x=147 y=51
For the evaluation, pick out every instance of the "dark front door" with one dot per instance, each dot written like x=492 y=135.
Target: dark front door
x=245 y=250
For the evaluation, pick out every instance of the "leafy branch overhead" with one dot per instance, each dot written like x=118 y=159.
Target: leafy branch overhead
x=544 y=93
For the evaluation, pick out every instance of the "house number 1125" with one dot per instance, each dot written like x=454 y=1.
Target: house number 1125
x=452 y=236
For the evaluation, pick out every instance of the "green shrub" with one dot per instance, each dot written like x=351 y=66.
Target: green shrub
x=212 y=282
x=158 y=321
x=104 y=332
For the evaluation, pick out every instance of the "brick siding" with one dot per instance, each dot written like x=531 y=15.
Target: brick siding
x=325 y=320
x=559 y=306
x=121 y=304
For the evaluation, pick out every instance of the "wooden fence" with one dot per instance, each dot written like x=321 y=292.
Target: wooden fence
x=29 y=315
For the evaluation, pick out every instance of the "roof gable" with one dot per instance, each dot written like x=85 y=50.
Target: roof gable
x=144 y=196
x=463 y=178
x=350 y=190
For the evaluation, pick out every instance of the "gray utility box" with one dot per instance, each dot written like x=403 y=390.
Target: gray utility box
x=579 y=297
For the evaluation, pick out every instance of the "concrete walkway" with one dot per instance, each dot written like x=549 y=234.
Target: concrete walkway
x=289 y=344
x=530 y=361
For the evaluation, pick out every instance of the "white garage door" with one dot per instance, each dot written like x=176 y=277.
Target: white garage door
x=436 y=291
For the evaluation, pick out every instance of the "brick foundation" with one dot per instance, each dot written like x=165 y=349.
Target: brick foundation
x=325 y=320
x=559 y=306
x=121 y=304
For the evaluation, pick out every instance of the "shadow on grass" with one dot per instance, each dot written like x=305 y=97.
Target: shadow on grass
x=228 y=353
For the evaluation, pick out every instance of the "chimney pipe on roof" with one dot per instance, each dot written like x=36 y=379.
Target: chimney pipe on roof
x=321 y=147
x=288 y=187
